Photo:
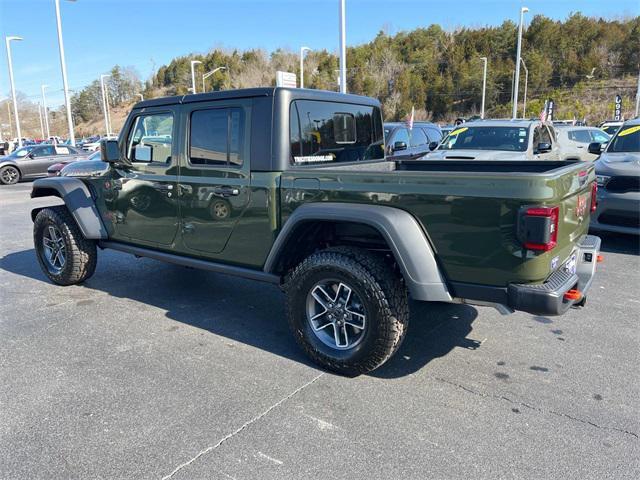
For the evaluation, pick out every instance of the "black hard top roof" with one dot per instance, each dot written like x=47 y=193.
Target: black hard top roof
x=258 y=92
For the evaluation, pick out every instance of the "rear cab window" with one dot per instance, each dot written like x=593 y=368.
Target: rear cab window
x=322 y=133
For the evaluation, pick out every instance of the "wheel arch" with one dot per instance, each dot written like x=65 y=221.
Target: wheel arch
x=12 y=164
x=398 y=229
x=77 y=199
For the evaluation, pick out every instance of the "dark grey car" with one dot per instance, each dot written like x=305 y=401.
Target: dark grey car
x=618 y=177
x=32 y=161
x=404 y=143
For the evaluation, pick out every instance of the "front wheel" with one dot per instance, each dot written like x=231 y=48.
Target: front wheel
x=348 y=309
x=9 y=175
x=64 y=255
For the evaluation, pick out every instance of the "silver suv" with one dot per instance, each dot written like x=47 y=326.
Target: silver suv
x=618 y=177
x=499 y=140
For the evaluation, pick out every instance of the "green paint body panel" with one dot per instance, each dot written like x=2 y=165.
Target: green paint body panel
x=469 y=217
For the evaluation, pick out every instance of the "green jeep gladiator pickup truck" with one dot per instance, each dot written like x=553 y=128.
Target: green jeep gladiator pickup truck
x=291 y=186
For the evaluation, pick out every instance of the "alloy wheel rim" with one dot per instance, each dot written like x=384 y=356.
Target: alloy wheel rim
x=336 y=314
x=9 y=175
x=54 y=249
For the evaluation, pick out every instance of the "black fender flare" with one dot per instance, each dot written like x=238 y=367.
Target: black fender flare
x=78 y=200
x=402 y=232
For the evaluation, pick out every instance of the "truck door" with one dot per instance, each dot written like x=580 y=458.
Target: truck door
x=141 y=199
x=214 y=182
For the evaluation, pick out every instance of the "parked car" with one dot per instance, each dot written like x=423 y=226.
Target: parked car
x=33 y=161
x=574 y=141
x=500 y=140
x=94 y=144
x=618 y=176
x=404 y=143
x=611 y=126
x=55 y=169
x=350 y=235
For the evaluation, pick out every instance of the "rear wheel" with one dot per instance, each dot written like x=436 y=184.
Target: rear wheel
x=9 y=175
x=65 y=256
x=347 y=308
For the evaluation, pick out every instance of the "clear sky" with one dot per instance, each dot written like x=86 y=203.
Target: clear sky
x=146 y=34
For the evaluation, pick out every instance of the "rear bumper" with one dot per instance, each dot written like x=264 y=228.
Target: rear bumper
x=548 y=298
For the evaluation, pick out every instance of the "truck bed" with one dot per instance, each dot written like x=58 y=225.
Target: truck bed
x=469 y=210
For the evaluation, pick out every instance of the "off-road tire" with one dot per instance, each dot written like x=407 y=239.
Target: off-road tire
x=81 y=254
x=9 y=175
x=383 y=292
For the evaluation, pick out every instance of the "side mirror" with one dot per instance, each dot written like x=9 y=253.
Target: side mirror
x=109 y=151
x=433 y=145
x=544 y=147
x=399 y=146
x=595 y=148
x=30 y=155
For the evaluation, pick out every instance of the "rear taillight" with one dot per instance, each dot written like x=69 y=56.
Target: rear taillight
x=538 y=228
x=594 y=196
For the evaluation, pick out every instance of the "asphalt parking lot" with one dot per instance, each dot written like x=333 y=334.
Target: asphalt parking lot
x=151 y=370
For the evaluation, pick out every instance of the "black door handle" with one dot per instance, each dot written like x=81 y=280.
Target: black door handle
x=226 y=191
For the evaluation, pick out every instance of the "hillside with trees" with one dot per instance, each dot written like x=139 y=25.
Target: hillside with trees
x=581 y=62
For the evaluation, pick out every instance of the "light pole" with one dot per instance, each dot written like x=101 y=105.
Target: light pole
x=302 y=50
x=63 y=65
x=516 y=80
x=9 y=117
x=46 y=110
x=484 y=85
x=41 y=124
x=343 y=49
x=8 y=41
x=193 y=75
x=105 y=105
x=141 y=96
x=638 y=98
x=208 y=74
x=526 y=82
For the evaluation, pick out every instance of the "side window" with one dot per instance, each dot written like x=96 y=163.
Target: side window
x=327 y=132
x=150 y=138
x=44 y=151
x=536 y=137
x=418 y=138
x=215 y=138
x=402 y=135
x=599 y=136
x=433 y=134
x=545 y=136
x=581 y=136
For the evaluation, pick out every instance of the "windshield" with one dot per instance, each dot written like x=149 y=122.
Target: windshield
x=627 y=140
x=95 y=156
x=611 y=129
x=22 y=152
x=513 y=139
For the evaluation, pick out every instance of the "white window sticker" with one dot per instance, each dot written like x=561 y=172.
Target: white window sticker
x=314 y=158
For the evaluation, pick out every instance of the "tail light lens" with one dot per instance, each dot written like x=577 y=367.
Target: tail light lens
x=538 y=228
x=594 y=196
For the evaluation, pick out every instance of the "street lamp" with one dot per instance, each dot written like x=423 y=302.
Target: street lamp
x=526 y=81
x=516 y=80
x=63 y=65
x=41 y=124
x=343 y=48
x=105 y=105
x=484 y=85
x=208 y=74
x=8 y=41
x=638 y=97
x=302 y=50
x=141 y=96
x=46 y=110
x=193 y=75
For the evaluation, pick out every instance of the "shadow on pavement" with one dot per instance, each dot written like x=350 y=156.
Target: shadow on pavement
x=249 y=312
x=619 y=243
